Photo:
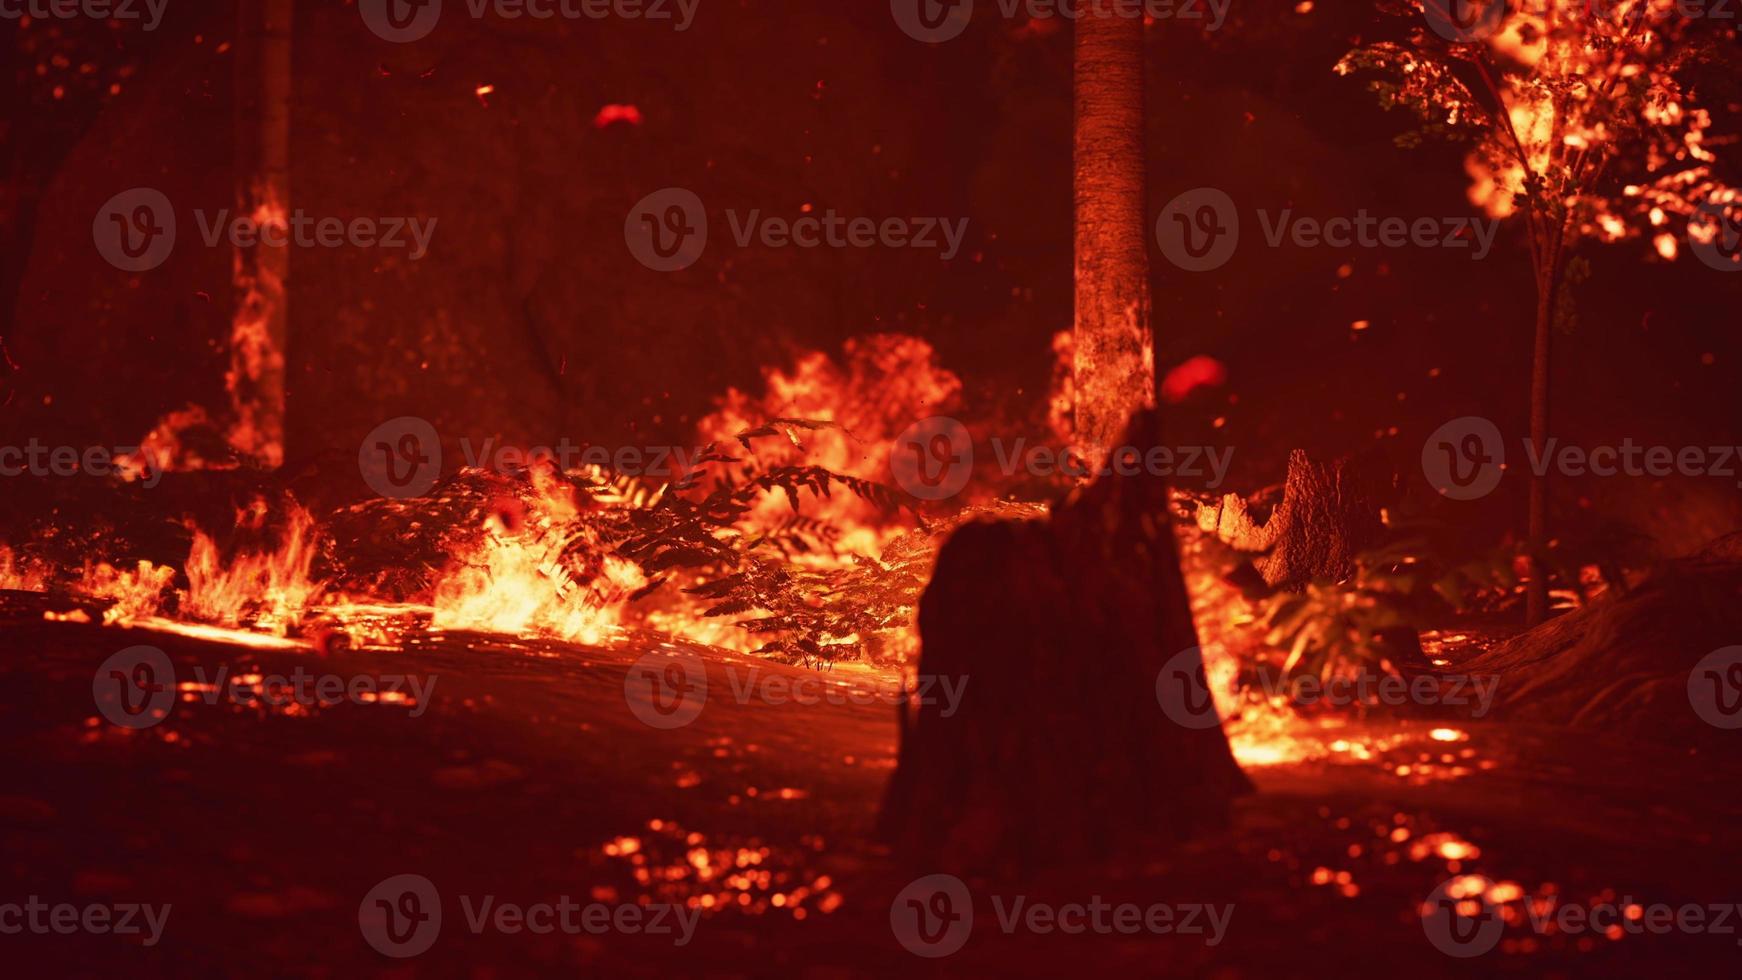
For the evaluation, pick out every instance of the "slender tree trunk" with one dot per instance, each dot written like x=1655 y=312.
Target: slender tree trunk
x=1547 y=286
x=14 y=200
x=259 y=332
x=1115 y=354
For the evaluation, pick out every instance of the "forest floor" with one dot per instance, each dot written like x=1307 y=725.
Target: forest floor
x=525 y=775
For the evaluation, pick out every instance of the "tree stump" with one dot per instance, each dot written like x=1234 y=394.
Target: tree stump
x=1329 y=513
x=1058 y=750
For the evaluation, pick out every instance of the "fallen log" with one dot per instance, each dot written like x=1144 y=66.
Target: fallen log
x=1648 y=664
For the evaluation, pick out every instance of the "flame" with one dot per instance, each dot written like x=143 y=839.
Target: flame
x=255 y=380
x=18 y=576
x=516 y=583
x=886 y=383
x=266 y=590
x=137 y=593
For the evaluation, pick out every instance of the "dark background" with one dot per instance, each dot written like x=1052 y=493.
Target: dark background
x=530 y=320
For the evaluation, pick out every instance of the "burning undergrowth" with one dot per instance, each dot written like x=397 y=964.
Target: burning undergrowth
x=781 y=537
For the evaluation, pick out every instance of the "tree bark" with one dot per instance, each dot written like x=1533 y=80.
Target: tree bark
x=259 y=332
x=1329 y=513
x=1114 y=367
x=1547 y=284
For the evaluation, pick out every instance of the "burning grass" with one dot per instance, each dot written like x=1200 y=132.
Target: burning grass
x=783 y=540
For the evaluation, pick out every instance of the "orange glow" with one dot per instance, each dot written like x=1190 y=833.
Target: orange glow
x=888 y=383
x=19 y=576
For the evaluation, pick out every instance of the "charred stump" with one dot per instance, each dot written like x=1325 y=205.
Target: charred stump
x=1058 y=749
x=1329 y=513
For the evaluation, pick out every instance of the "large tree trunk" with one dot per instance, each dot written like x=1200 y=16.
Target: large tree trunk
x=259 y=332
x=1060 y=749
x=1114 y=370
x=1328 y=514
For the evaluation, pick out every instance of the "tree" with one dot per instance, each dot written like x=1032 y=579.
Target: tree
x=1583 y=124
x=1114 y=369
x=1060 y=750
x=262 y=272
